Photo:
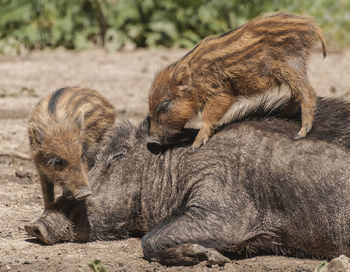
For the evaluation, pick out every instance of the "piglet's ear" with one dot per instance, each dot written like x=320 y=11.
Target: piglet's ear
x=79 y=121
x=183 y=77
x=36 y=135
x=164 y=106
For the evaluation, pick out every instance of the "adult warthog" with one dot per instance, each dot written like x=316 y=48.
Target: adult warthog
x=250 y=188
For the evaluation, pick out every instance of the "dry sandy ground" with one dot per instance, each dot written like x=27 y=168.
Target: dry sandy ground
x=124 y=78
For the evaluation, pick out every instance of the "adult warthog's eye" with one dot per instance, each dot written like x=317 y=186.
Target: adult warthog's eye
x=118 y=156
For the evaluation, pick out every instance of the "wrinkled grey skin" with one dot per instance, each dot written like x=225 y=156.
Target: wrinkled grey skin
x=250 y=188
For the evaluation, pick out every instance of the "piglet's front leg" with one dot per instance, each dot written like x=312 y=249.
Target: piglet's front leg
x=214 y=109
x=203 y=136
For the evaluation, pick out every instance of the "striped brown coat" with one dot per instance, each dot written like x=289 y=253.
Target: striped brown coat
x=65 y=133
x=250 y=60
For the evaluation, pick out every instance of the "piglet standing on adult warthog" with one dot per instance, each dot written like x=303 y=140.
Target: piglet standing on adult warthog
x=65 y=133
x=250 y=60
x=251 y=188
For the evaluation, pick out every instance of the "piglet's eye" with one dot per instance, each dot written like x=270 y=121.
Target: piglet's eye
x=164 y=106
x=83 y=156
x=56 y=162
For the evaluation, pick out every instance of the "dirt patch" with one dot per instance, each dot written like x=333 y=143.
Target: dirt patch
x=124 y=78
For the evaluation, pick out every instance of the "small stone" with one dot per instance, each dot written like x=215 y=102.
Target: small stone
x=20 y=174
x=339 y=264
x=342 y=263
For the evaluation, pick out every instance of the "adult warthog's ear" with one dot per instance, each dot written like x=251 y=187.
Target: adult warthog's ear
x=164 y=106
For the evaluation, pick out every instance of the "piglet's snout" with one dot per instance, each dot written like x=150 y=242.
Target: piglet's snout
x=82 y=193
x=153 y=144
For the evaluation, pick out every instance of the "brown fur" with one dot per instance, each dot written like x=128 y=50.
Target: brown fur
x=65 y=133
x=250 y=60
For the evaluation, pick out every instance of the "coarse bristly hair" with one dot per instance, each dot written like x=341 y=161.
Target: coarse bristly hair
x=263 y=54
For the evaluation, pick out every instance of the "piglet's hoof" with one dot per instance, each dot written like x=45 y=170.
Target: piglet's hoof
x=194 y=149
x=199 y=141
x=82 y=193
x=301 y=134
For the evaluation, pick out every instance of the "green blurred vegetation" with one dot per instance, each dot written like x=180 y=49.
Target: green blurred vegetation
x=80 y=24
x=96 y=266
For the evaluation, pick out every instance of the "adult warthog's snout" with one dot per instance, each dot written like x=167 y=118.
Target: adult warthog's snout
x=52 y=227
x=38 y=230
x=154 y=145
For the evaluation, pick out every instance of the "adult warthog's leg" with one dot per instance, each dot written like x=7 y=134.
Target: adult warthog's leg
x=185 y=240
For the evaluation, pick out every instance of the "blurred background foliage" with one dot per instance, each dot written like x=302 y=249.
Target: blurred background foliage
x=114 y=24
